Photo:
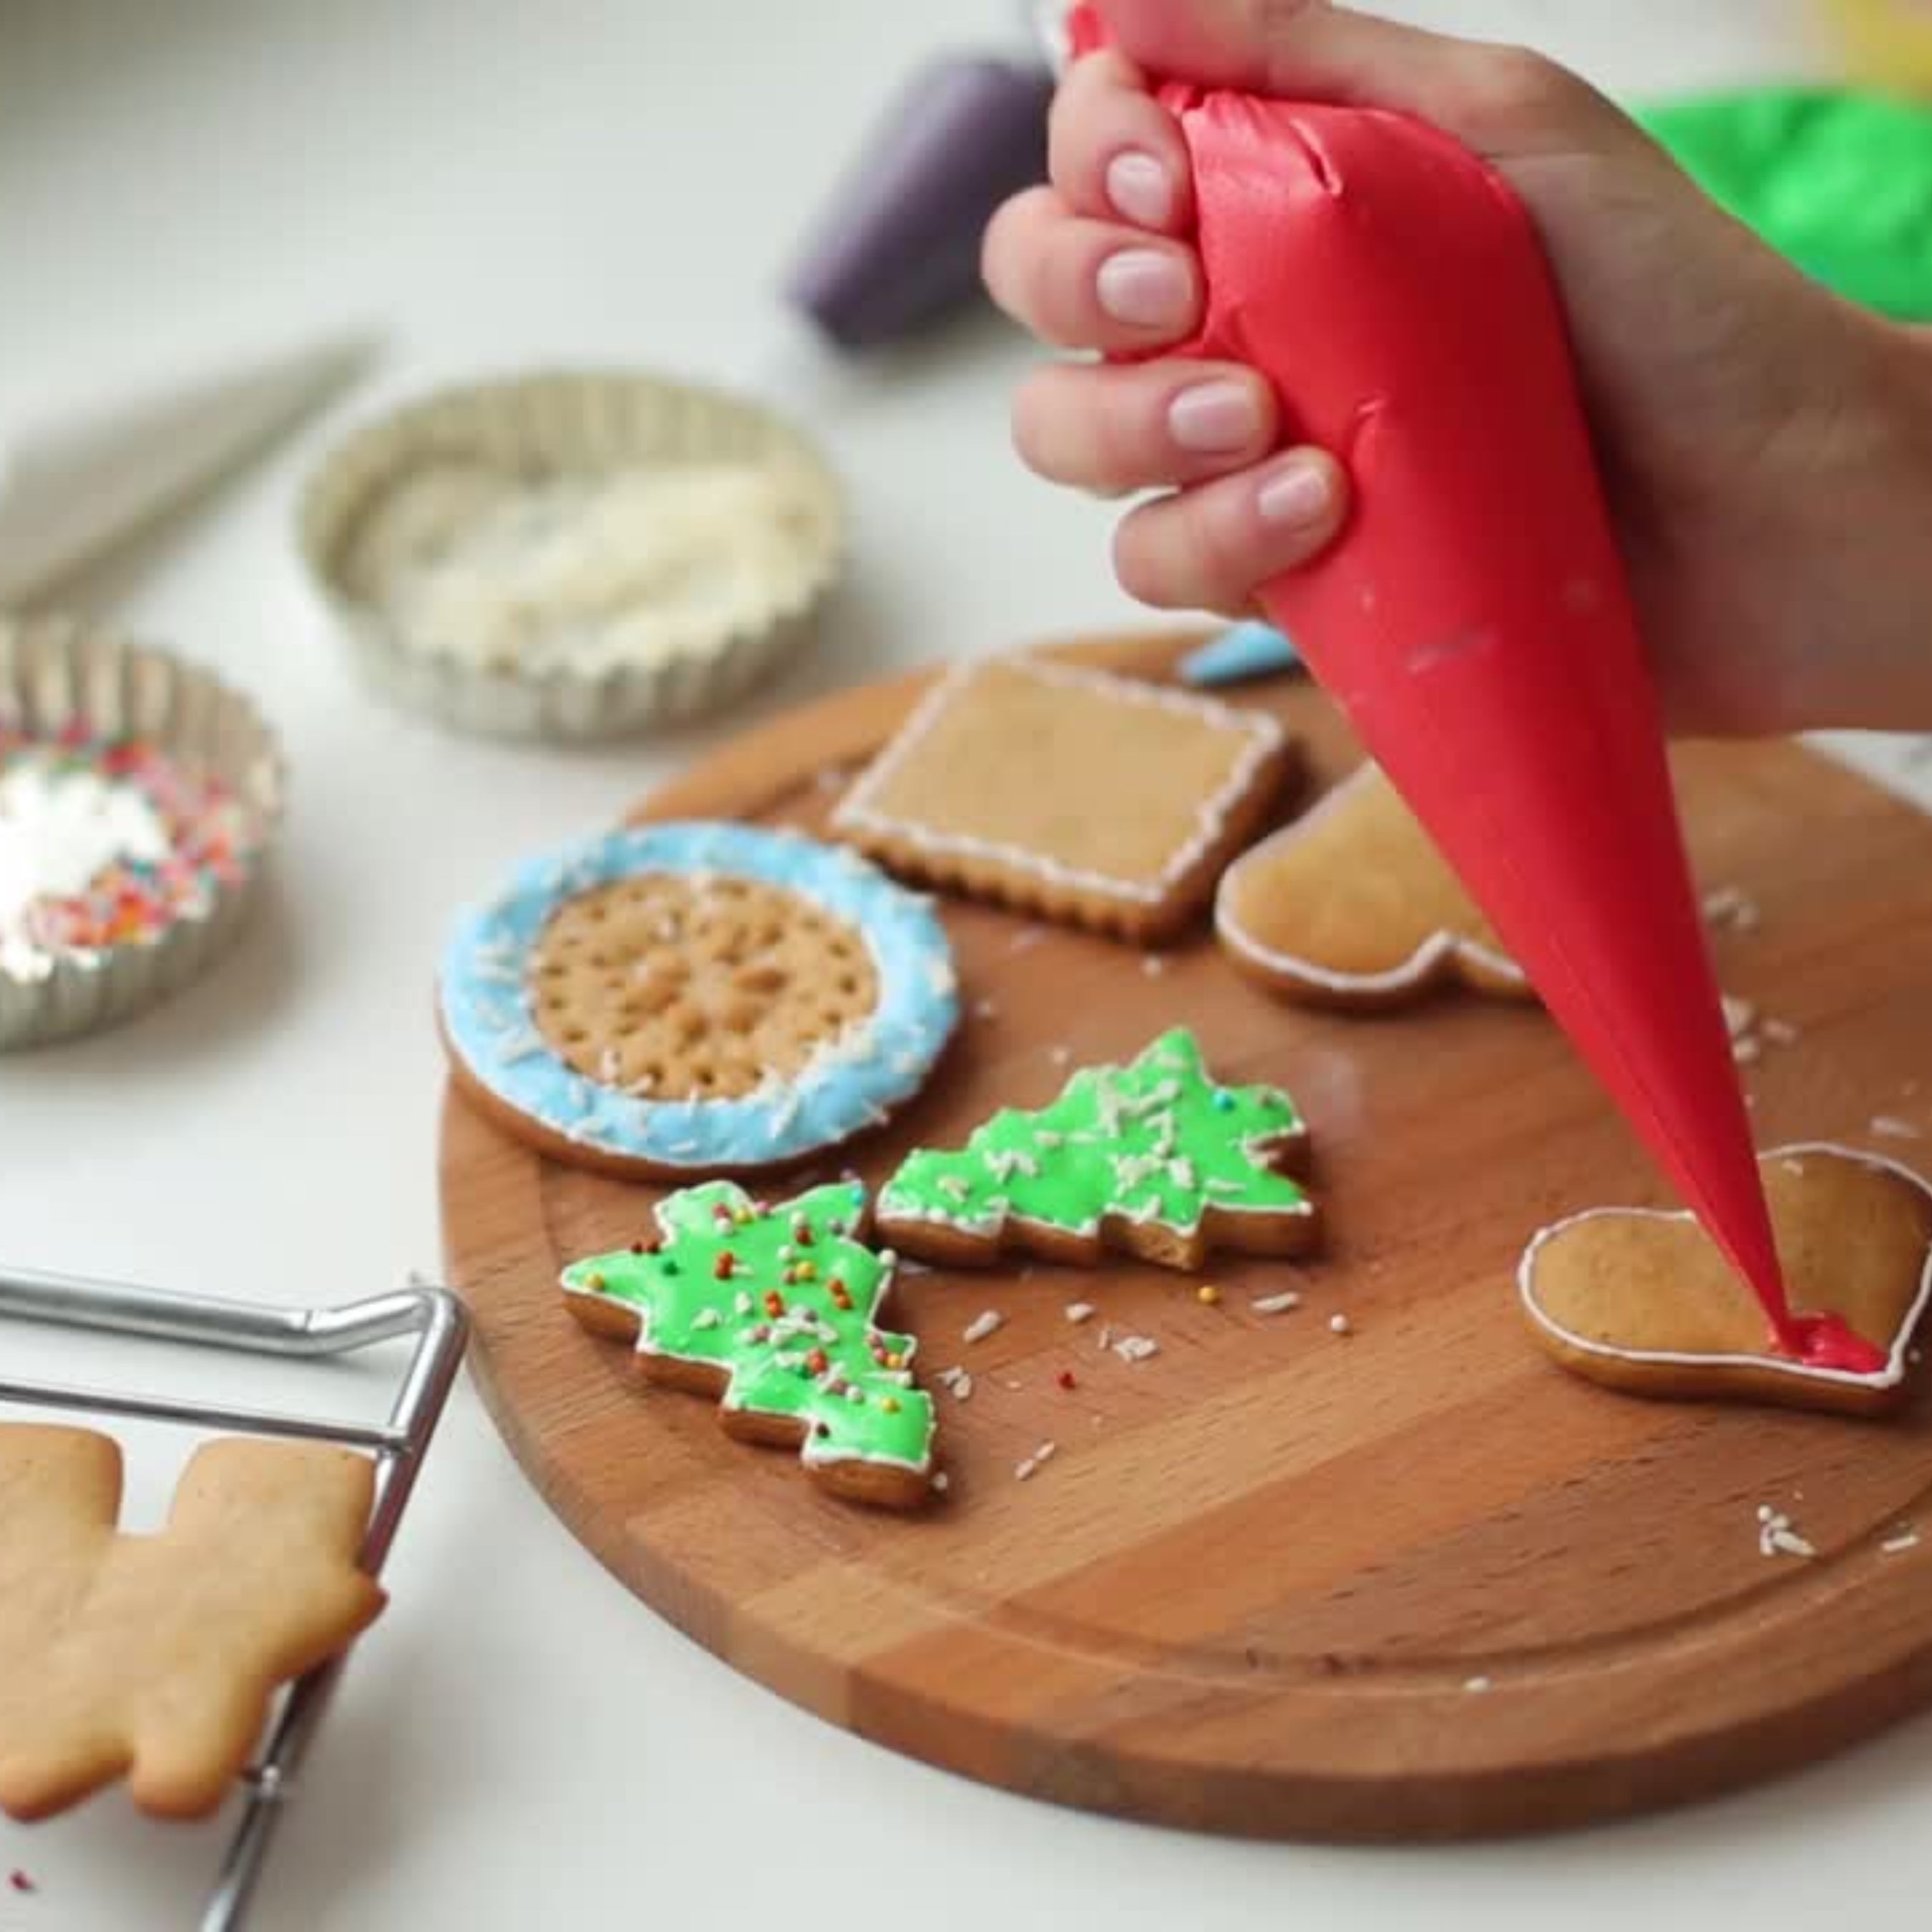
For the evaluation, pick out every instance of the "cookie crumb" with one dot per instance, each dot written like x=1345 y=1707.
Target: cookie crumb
x=1740 y=1016
x=1340 y=1324
x=1889 y=1126
x=1136 y=1347
x=958 y=1381
x=1747 y=1052
x=982 y=1325
x=1276 y=1304
x=1059 y=1055
x=1476 y=1686
x=1037 y=1461
x=1153 y=964
x=941 y=1481
x=1077 y=1311
x=1777 y=1538
x=1781 y=1033
x=1896 y=1546
x=985 y=1009
x=1732 y=908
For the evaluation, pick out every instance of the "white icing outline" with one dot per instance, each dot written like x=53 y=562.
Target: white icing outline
x=1418 y=971
x=1267 y=736
x=1889 y=1377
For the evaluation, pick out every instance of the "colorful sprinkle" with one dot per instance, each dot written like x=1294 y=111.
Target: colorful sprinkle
x=1208 y=1295
x=1066 y=1379
x=207 y=834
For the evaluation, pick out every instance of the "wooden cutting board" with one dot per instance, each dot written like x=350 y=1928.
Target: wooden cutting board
x=1411 y=1582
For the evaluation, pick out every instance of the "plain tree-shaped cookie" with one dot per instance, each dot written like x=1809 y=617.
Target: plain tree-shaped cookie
x=157 y=1656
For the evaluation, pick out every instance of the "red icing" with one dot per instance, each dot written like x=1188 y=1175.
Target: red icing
x=1827 y=1341
x=1474 y=619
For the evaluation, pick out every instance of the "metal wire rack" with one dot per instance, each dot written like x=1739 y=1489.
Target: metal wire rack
x=432 y=1316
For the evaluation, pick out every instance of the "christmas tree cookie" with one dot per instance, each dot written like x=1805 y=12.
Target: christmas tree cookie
x=1156 y=1158
x=773 y=1310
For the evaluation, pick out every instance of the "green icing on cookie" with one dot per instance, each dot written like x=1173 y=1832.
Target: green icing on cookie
x=783 y=1300
x=1838 y=180
x=1158 y=1142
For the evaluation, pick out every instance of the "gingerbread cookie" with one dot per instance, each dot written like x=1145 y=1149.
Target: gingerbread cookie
x=683 y=998
x=1095 y=799
x=1352 y=905
x=1641 y=1299
x=1156 y=1159
x=157 y=1656
x=774 y=1310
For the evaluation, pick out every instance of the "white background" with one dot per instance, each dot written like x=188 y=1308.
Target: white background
x=498 y=185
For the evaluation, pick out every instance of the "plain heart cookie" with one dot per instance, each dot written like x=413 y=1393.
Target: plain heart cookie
x=1352 y=905
x=1641 y=1301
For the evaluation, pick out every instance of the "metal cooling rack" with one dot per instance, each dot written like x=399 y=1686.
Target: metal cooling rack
x=436 y=1320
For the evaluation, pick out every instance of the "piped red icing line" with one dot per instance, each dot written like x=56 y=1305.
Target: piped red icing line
x=1474 y=620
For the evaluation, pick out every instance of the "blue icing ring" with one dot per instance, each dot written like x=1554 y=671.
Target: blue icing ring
x=488 y=1023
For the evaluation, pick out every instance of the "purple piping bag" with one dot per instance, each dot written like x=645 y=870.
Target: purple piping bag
x=899 y=247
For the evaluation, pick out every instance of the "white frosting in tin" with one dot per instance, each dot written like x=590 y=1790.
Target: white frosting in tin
x=583 y=571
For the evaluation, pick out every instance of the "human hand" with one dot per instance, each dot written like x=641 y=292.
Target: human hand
x=1766 y=449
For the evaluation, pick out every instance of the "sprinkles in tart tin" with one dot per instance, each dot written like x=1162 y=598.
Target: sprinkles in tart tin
x=136 y=796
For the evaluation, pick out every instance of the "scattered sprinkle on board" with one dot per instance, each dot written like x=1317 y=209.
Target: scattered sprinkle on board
x=1322 y=1754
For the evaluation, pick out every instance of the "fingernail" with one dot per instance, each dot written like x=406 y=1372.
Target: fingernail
x=1138 y=186
x=1213 y=418
x=1296 y=491
x=1144 y=288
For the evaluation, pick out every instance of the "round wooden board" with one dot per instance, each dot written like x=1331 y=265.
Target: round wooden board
x=1412 y=1582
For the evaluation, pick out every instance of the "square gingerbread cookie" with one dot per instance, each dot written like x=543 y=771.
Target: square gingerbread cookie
x=1100 y=801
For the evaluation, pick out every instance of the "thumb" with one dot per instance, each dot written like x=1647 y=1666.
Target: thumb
x=1505 y=103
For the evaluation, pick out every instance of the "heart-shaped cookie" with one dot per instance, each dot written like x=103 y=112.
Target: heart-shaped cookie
x=1642 y=1301
x=1352 y=905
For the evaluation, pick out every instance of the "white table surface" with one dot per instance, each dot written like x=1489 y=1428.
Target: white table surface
x=519 y=1743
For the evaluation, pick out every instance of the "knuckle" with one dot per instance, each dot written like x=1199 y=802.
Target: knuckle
x=1040 y=426
x=1218 y=534
x=1272 y=21
x=1009 y=238
x=1509 y=94
x=1138 y=562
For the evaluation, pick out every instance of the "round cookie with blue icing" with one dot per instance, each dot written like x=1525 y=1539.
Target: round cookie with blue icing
x=696 y=998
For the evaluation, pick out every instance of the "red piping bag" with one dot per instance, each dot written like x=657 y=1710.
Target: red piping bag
x=1474 y=620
